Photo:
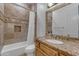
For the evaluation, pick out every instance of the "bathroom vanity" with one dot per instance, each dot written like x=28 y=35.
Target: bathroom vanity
x=45 y=48
x=62 y=35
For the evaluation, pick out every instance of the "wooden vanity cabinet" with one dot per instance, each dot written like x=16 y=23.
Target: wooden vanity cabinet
x=38 y=51
x=43 y=49
x=49 y=51
x=63 y=53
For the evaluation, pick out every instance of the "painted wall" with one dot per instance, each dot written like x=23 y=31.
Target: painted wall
x=65 y=20
x=41 y=17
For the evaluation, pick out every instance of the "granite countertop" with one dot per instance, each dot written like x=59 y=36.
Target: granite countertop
x=70 y=46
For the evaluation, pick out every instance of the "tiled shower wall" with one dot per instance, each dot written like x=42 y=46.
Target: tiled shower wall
x=1 y=26
x=1 y=34
x=11 y=36
x=12 y=15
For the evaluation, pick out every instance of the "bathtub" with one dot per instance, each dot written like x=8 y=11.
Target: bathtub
x=15 y=49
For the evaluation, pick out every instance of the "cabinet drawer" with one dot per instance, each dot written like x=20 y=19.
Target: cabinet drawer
x=49 y=51
x=40 y=52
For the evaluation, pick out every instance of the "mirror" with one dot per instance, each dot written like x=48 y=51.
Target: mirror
x=63 y=20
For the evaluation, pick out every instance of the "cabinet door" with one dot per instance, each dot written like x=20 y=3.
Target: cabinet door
x=63 y=53
x=49 y=51
x=39 y=52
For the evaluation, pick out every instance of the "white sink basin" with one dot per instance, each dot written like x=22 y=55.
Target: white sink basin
x=54 y=41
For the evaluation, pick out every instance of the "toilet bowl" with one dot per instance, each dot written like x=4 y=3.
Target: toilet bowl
x=29 y=50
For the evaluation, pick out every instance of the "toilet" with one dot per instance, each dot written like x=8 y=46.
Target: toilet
x=29 y=50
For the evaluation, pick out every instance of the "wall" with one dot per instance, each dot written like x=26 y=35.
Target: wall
x=15 y=15
x=1 y=25
x=65 y=20
x=41 y=17
x=1 y=34
x=1 y=22
x=1 y=8
x=10 y=36
x=78 y=21
x=13 y=11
